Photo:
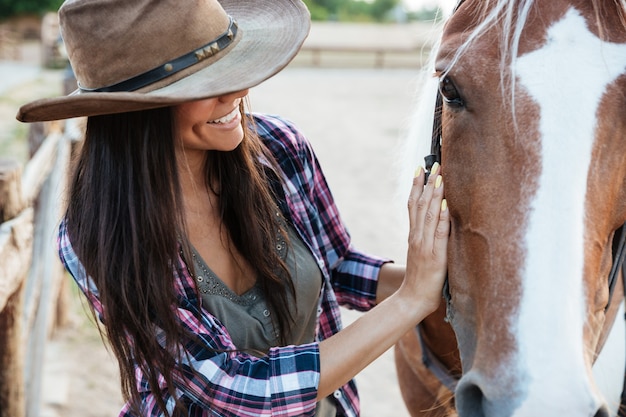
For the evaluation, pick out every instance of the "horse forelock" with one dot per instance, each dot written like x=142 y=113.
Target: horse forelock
x=512 y=16
x=417 y=135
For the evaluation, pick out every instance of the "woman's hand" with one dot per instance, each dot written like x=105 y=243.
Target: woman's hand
x=429 y=222
x=346 y=353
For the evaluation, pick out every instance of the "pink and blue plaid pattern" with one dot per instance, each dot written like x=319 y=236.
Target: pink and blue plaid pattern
x=283 y=383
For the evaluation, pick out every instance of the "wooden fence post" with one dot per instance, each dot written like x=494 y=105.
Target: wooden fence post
x=15 y=253
x=12 y=400
x=11 y=200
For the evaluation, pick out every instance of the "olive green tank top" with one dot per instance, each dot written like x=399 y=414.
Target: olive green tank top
x=247 y=317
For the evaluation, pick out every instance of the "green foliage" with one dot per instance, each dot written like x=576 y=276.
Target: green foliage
x=350 y=10
x=318 y=13
x=427 y=14
x=10 y=8
x=331 y=5
x=380 y=8
x=354 y=11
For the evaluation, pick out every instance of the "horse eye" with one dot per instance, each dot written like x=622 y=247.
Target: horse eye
x=450 y=93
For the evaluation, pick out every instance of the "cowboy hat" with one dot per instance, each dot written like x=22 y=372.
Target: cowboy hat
x=131 y=55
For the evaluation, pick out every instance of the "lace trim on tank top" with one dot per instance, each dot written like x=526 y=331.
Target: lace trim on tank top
x=208 y=282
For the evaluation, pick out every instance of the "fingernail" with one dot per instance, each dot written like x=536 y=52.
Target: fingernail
x=438 y=181
x=434 y=169
x=418 y=171
x=444 y=205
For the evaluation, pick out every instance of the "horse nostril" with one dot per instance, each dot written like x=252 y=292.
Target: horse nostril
x=469 y=400
x=477 y=396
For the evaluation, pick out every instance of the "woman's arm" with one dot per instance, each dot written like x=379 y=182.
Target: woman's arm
x=348 y=352
x=390 y=278
x=297 y=375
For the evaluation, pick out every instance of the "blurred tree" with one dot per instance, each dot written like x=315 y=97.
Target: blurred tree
x=10 y=8
x=318 y=12
x=427 y=14
x=331 y=6
x=354 y=11
x=350 y=10
x=381 y=8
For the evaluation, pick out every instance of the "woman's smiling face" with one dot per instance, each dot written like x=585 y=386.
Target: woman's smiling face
x=210 y=124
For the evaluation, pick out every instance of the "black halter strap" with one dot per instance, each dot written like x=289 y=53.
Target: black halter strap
x=435 y=144
x=619 y=253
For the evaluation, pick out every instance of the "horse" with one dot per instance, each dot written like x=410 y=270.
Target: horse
x=532 y=133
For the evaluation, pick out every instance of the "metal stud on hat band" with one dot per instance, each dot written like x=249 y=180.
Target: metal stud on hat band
x=173 y=66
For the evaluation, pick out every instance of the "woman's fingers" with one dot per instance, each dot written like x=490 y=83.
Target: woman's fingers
x=416 y=191
x=442 y=233
x=429 y=209
x=428 y=236
x=420 y=198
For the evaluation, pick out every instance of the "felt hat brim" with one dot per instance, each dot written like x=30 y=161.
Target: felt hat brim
x=272 y=33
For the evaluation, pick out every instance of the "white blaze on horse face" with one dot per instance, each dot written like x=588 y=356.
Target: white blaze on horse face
x=566 y=78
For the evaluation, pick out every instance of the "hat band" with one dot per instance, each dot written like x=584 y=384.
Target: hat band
x=173 y=66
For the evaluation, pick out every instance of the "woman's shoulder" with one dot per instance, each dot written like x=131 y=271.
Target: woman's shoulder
x=278 y=132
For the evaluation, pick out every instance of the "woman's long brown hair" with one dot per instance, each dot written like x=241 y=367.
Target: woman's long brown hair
x=126 y=224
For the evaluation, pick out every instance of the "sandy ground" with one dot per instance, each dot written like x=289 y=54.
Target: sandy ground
x=355 y=119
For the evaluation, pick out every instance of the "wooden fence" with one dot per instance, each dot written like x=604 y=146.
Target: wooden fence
x=32 y=293
x=365 y=55
x=359 y=45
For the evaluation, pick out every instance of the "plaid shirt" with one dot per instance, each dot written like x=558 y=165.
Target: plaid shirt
x=283 y=383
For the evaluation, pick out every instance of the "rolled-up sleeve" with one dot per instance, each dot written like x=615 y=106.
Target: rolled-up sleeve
x=355 y=280
x=283 y=383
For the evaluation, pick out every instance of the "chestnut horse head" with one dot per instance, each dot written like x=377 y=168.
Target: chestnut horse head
x=534 y=162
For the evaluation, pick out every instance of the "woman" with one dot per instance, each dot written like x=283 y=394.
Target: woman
x=205 y=237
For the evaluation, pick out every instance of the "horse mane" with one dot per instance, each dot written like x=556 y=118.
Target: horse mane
x=620 y=6
x=416 y=131
x=512 y=15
